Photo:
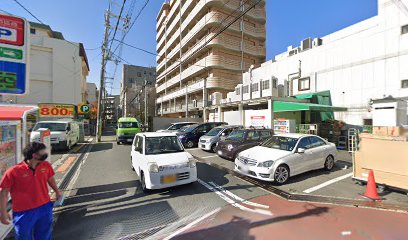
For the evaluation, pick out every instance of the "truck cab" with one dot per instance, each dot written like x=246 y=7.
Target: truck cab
x=126 y=129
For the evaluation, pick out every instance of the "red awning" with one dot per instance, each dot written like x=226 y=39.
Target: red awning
x=14 y=112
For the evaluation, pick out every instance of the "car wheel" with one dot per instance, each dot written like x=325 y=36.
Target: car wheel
x=143 y=183
x=329 y=164
x=189 y=144
x=213 y=148
x=131 y=164
x=281 y=174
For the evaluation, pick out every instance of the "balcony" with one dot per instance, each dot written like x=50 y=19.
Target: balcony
x=198 y=86
x=209 y=61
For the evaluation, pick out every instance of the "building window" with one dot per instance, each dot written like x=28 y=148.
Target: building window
x=255 y=87
x=304 y=84
x=32 y=30
x=237 y=91
x=274 y=83
x=139 y=74
x=404 y=83
x=404 y=29
x=265 y=85
x=245 y=89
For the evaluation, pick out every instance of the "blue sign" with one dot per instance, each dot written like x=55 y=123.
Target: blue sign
x=12 y=77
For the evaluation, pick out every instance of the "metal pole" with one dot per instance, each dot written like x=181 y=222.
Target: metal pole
x=102 y=80
x=145 y=102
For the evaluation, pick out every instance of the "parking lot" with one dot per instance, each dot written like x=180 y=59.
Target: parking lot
x=337 y=183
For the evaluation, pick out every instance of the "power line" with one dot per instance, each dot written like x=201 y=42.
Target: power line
x=21 y=5
x=117 y=24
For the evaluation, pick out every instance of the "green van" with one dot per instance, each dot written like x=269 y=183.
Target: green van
x=126 y=130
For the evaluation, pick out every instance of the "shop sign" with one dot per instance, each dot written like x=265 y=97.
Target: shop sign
x=14 y=54
x=56 y=110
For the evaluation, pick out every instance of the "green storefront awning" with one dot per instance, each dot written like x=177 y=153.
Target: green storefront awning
x=294 y=107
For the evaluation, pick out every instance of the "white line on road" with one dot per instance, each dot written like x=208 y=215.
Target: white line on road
x=328 y=183
x=232 y=202
x=192 y=224
x=209 y=156
x=225 y=191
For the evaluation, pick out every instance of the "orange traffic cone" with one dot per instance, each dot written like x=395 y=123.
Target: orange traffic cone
x=371 y=191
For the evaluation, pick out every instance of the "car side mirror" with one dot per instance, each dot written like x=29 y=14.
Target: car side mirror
x=301 y=150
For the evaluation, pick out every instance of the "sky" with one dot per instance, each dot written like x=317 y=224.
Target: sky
x=288 y=22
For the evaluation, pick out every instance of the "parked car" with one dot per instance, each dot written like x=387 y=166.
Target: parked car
x=64 y=133
x=190 y=135
x=160 y=161
x=286 y=155
x=209 y=141
x=240 y=140
x=175 y=127
x=126 y=130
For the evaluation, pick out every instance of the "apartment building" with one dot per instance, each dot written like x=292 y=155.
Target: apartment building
x=132 y=90
x=187 y=33
x=111 y=111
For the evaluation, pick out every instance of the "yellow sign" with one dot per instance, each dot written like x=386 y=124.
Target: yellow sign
x=56 y=110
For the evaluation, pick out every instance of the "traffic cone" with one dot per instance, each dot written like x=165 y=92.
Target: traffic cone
x=371 y=191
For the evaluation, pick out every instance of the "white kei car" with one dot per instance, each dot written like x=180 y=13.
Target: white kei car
x=286 y=155
x=160 y=161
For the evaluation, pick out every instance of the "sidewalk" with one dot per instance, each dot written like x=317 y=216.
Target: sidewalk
x=300 y=220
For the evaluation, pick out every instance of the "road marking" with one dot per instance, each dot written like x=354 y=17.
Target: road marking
x=192 y=224
x=66 y=164
x=209 y=156
x=312 y=189
x=225 y=191
x=232 y=202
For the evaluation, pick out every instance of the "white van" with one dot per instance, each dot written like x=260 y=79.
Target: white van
x=64 y=133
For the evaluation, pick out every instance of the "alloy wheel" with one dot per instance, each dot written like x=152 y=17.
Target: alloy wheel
x=329 y=164
x=281 y=174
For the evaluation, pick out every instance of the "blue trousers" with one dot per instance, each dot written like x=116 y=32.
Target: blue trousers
x=34 y=224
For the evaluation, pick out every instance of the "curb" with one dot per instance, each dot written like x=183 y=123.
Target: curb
x=307 y=197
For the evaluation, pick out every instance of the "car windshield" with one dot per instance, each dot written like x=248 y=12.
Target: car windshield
x=188 y=128
x=163 y=145
x=281 y=143
x=54 y=127
x=214 y=132
x=236 y=135
x=177 y=126
x=128 y=125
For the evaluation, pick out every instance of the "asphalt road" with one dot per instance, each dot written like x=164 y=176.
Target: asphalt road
x=105 y=201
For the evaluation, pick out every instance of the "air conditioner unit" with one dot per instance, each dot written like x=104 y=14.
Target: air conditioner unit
x=317 y=42
x=306 y=44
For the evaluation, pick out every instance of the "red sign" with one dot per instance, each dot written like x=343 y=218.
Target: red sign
x=11 y=30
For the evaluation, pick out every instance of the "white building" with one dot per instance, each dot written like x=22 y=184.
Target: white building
x=92 y=92
x=58 y=69
x=368 y=60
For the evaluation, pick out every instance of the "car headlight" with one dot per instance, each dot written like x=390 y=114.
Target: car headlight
x=266 y=164
x=230 y=147
x=191 y=162
x=153 y=167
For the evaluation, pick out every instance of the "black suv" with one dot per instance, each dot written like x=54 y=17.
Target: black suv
x=190 y=135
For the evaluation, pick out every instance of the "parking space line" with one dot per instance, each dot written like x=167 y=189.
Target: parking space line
x=190 y=225
x=225 y=191
x=325 y=184
x=209 y=156
x=232 y=202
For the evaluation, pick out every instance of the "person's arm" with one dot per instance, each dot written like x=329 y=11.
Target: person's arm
x=4 y=214
x=53 y=185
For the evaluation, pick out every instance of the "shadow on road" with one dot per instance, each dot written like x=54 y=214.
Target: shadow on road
x=102 y=146
x=239 y=228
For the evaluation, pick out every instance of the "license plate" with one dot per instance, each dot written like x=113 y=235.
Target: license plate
x=244 y=169
x=219 y=152
x=130 y=140
x=169 y=179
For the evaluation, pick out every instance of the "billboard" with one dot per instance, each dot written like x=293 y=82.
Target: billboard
x=14 y=47
x=55 y=110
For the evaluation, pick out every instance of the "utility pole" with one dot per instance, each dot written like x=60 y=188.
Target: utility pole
x=145 y=102
x=102 y=80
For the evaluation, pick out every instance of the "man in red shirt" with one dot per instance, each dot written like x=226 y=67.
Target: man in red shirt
x=27 y=184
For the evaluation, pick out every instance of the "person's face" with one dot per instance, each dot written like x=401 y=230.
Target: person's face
x=40 y=155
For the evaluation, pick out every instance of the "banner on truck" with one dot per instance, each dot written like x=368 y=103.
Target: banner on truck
x=50 y=110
